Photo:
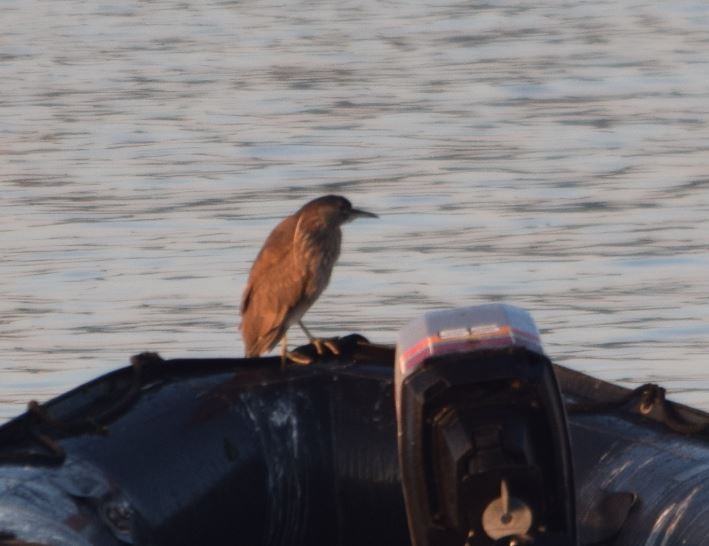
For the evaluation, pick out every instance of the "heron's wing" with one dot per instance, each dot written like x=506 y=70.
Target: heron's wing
x=275 y=288
x=270 y=266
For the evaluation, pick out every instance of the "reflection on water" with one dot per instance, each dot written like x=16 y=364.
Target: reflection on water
x=552 y=156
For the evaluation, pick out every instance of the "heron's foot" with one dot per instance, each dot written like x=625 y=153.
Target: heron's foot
x=295 y=358
x=330 y=343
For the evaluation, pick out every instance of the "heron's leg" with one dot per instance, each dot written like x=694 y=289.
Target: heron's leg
x=318 y=343
x=284 y=351
x=294 y=357
x=305 y=330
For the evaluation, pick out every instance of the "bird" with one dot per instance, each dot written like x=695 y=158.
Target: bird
x=290 y=272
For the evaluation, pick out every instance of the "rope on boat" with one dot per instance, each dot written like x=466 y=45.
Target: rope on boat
x=648 y=400
x=44 y=430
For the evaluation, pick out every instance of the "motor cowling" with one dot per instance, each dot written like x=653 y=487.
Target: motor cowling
x=482 y=435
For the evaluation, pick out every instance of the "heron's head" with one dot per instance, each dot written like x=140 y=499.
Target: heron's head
x=335 y=210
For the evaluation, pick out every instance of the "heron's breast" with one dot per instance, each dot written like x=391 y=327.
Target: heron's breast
x=319 y=253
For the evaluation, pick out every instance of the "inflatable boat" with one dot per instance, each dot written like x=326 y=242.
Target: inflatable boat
x=465 y=433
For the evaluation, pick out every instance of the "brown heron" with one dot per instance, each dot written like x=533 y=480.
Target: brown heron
x=290 y=272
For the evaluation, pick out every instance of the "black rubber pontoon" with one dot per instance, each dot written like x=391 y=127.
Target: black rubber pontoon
x=237 y=451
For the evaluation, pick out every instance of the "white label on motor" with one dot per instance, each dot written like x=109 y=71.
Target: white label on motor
x=454 y=332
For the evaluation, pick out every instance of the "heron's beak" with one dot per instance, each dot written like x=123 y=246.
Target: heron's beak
x=359 y=213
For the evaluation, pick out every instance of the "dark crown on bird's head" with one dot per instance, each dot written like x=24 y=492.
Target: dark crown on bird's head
x=334 y=209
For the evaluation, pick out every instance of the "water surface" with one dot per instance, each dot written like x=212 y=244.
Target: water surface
x=554 y=156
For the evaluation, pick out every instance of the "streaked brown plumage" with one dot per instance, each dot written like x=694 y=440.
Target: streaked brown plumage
x=291 y=271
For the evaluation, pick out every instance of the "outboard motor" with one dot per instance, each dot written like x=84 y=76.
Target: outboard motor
x=483 y=443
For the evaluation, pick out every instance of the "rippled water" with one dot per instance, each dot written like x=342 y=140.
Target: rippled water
x=554 y=156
